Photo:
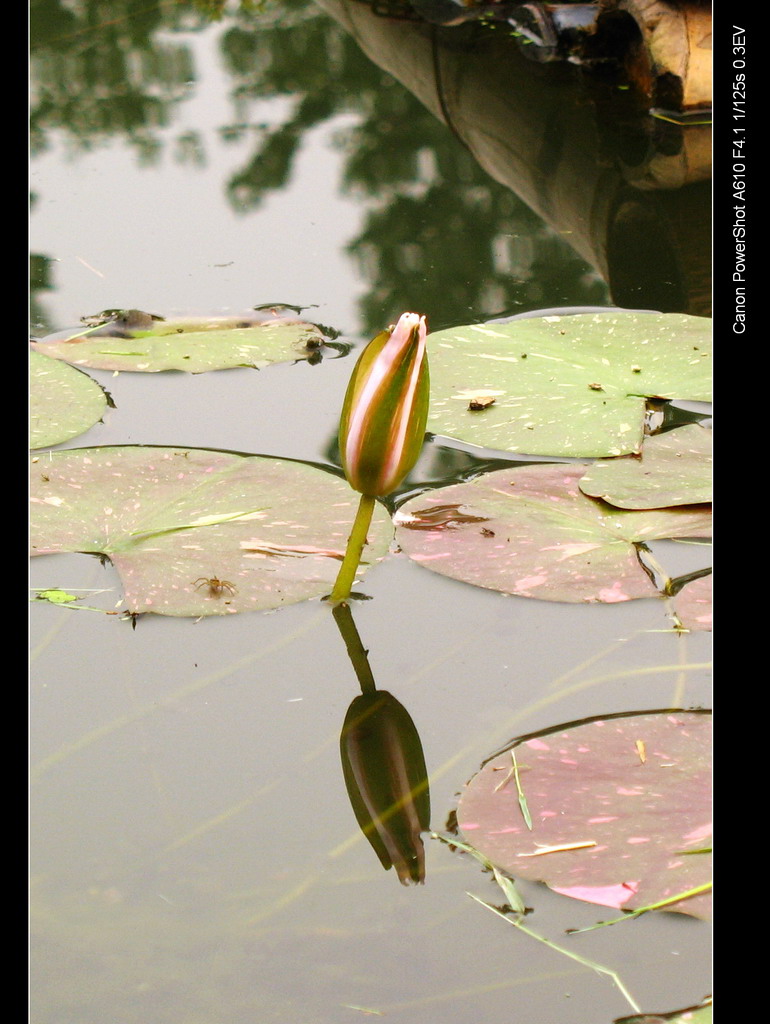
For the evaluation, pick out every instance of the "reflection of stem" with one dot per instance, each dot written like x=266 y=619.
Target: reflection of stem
x=356 y=651
x=352 y=559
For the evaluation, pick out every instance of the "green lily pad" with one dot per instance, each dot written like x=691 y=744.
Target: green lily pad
x=672 y=469
x=532 y=532
x=630 y=796
x=195 y=532
x=144 y=343
x=565 y=385
x=63 y=401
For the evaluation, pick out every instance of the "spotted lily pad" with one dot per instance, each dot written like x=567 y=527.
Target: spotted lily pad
x=620 y=810
x=532 y=532
x=565 y=385
x=195 y=532
x=63 y=401
x=144 y=343
x=672 y=469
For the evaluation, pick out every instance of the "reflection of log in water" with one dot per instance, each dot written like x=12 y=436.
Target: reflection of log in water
x=629 y=190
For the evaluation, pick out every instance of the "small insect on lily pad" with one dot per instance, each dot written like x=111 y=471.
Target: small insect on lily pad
x=533 y=533
x=63 y=401
x=619 y=810
x=131 y=340
x=673 y=468
x=195 y=532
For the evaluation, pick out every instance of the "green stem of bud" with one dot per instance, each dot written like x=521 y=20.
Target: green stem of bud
x=356 y=541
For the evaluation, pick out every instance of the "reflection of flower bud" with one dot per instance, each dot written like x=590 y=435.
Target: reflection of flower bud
x=382 y=427
x=386 y=780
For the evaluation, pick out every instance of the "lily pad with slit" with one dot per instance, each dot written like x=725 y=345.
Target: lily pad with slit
x=533 y=533
x=194 y=532
x=573 y=385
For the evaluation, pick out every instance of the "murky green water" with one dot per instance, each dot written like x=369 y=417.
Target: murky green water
x=194 y=856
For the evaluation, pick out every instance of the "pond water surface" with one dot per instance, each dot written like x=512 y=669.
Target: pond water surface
x=195 y=858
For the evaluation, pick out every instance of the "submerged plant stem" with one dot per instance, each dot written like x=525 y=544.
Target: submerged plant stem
x=660 y=905
x=352 y=559
x=566 y=952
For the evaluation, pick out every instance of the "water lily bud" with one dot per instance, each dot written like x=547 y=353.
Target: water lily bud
x=386 y=780
x=382 y=427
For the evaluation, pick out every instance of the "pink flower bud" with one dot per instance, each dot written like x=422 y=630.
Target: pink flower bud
x=382 y=427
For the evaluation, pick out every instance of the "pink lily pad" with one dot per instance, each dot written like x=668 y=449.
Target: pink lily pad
x=619 y=807
x=693 y=604
x=533 y=533
x=196 y=532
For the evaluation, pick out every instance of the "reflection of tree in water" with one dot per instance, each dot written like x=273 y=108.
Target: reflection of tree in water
x=98 y=71
x=464 y=253
x=299 y=53
x=441 y=237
